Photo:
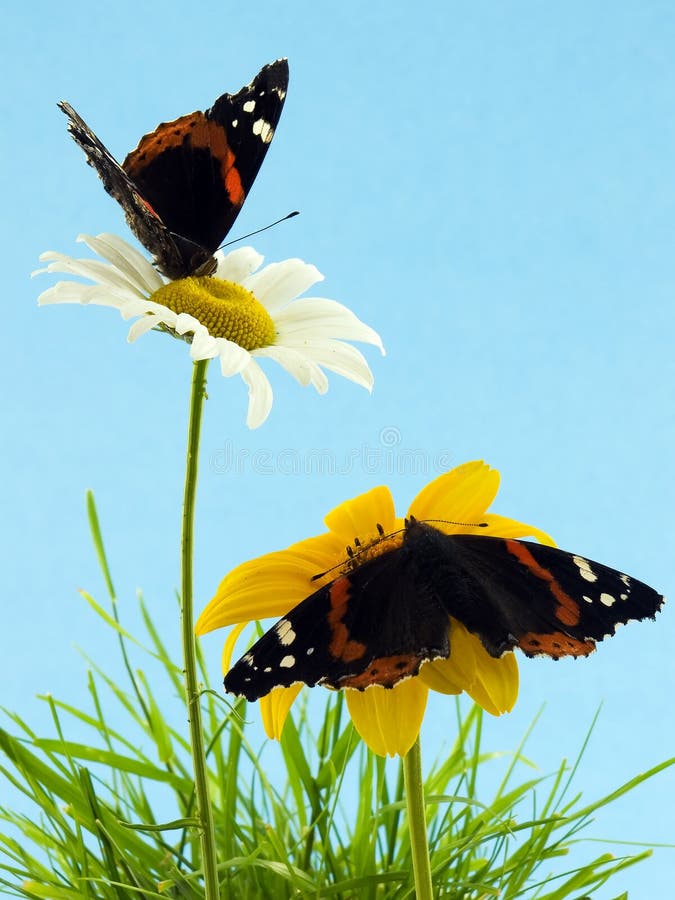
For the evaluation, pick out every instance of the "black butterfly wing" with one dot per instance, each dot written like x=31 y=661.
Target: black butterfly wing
x=541 y=599
x=375 y=625
x=196 y=171
x=148 y=228
x=380 y=622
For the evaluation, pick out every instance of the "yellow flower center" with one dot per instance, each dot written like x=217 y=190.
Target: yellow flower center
x=361 y=552
x=227 y=309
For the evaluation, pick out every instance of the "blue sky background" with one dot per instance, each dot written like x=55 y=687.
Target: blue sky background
x=492 y=187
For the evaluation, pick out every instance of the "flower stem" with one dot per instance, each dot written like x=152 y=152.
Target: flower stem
x=203 y=810
x=417 y=824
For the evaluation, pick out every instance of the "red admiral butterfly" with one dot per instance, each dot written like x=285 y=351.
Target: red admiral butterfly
x=183 y=186
x=383 y=618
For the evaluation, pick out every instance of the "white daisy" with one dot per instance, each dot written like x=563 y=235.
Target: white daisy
x=240 y=314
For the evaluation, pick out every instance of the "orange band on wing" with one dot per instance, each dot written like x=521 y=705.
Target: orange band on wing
x=200 y=133
x=567 y=611
x=385 y=671
x=341 y=646
x=554 y=645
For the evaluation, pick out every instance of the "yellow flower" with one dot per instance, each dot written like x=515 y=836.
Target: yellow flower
x=388 y=720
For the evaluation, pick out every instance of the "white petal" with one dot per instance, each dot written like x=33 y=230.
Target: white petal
x=316 y=317
x=141 y=327
x=297 y=364
x=259 y=394
x=44 y=271
x=95 y=270
x=294 y=362
x=67 y=292
x=279 y=283
x=203 y=345
x=112 y=298
x=239 y=264
x=142 y=308
x=185 y=322
x=341 y=358
x=233 y=358
x=126 y=258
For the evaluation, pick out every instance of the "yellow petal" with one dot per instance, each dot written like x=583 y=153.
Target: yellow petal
x=496 y=685
x=387 y=720
x=493 y=683
x=228 y=649
x=458 y=672
x=274 y=708
x=502 y=526
x=461 y=495
x=271 y=584
x=360 y=516
x=440 y=678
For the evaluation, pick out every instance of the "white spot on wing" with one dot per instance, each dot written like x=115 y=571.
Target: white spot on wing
x=310 y=650
x=235 y=122
x=625 y=579
x=263 y=130
x=584 y=568
x=588 y=599
x=249 y=106
x=285 y=632
x=607 y=599
x=248 y=659
x=287 y=662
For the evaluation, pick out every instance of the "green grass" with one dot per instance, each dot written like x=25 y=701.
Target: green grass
x=111 y=817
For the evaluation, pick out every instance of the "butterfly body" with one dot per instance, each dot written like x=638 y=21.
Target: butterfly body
x=380 y=620
x=182 y=188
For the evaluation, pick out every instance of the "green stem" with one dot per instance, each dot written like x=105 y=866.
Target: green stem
x=417 y=824
x=203 y=809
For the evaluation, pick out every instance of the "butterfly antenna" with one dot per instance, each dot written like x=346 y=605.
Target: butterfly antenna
x=460 y=524
x=295 y=212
